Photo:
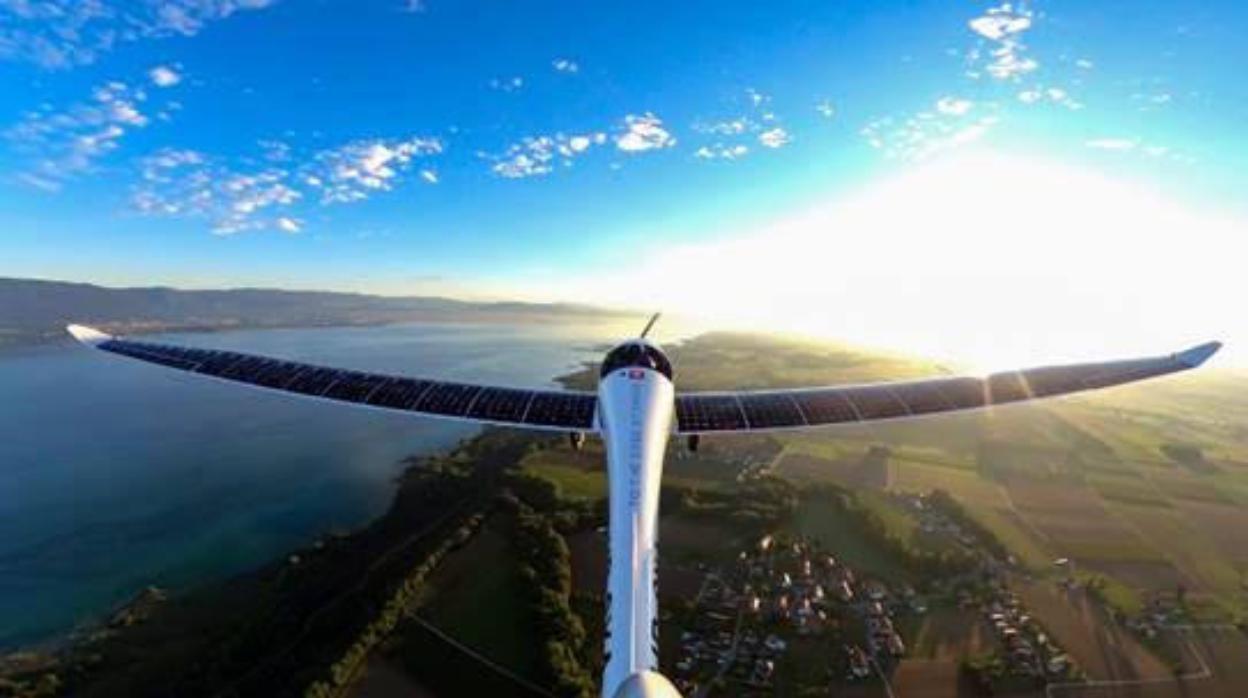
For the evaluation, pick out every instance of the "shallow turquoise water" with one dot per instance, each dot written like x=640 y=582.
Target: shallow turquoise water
x=115 y=474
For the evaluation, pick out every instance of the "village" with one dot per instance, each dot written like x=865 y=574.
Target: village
x=789 y=598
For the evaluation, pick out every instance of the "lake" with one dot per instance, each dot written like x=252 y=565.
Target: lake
x=115 y=475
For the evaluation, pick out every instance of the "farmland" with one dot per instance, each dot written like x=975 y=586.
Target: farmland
x=1147 y=483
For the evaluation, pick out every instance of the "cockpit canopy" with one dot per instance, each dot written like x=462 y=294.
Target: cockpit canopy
x=636 y=354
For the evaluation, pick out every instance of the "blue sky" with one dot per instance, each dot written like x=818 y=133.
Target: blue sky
x=531 y=149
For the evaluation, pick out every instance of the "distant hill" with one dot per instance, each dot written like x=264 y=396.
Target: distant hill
x=35 y=310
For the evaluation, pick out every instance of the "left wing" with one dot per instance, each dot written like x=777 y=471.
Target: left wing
x=771 y=410
x=553 y=410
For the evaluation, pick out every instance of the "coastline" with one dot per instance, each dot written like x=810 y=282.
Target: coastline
x=106 y=657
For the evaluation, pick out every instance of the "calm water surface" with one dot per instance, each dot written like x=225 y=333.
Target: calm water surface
x=115 y=475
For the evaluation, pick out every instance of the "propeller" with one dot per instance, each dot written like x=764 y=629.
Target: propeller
x=653 y=319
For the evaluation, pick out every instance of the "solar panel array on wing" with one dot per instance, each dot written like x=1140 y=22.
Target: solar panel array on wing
x=770 y=410
x=399 y=393
x=1007 y=387
x=568 y=410
x=875 y=402
x=1124 y=372
x=505 y=405
x=825 y=406
x=921 y=397
x=214 y=363
x=146 y=353
x=353 y=386
x=312 y=380
x=963 y=393
x=451 y=399
x=501 y=404
x=696 y=413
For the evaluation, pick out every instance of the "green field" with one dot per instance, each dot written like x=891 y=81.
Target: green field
x=1144 y=457
x=835 y=532
x=475 y=598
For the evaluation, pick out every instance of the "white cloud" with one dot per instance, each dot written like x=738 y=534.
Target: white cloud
x=1084 y=63
x=241 y=195
x=65 y=33
x=415 y=6
x=720 y=151
x=355 y=171
x=923 y=135
x=1112 y=143
x=775 y=138
x=825 y=109
x=644 y=132
x=1054 y=95
x=164 y=76
x=512 y=84
x=756 y=98
x=186 y=183
x=1002 y=27
x=535 y=156
x=953 y=106
x=564 y=65
x=730 y=127
x=66 y=143
x=1001 y=22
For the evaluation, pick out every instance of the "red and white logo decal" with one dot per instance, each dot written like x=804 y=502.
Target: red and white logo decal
x=636 y=374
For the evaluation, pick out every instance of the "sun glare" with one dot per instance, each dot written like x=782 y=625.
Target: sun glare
x=986 y=259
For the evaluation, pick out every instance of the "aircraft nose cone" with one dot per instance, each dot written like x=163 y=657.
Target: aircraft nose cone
x=647 y=684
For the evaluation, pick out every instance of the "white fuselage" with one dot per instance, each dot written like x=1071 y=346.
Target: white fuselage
x=635 y=415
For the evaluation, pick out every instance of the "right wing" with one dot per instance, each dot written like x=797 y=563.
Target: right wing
x=552 y=410
x=772 y=410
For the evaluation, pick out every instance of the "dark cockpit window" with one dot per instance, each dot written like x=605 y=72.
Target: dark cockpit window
x=636 y=354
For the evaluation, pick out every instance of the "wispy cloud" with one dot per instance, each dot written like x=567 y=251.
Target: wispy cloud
x=535 y=156
x=164 y=76
x=825 y=109
x=356 y=170
x=721 y=151
x=728 y=127
x=953 y=106
x=565 y=65
x=775 y=138
x=1054 y=95
x=998 y=54
x=925 y=134
x=512 y=84
x=65 y=33
x=644 y=132
x=734 y=136
x=66 y=143
x=1004 y=57
x=187 y=183
x=1138 y=147
x=266 y=193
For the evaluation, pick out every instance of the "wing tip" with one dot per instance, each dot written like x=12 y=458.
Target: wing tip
x=87 y=335
x=1198 y=355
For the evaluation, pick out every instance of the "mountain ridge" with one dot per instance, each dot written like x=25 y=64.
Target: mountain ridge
x=37 y=310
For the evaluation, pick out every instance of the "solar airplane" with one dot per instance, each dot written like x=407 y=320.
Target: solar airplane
x=636 y=410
